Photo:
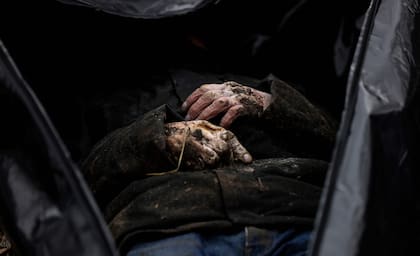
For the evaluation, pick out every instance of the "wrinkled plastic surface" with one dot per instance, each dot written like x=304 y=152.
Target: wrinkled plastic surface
x=147 y=9
x=368 y=205
x=45 y=204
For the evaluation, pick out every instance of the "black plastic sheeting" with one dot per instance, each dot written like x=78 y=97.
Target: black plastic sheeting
x=147 y=9
x=368 y=207
x=45 y=204
x=368 y=204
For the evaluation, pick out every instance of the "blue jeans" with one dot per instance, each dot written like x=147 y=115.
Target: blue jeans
x=250 y=241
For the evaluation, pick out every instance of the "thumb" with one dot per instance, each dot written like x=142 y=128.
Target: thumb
x=239 y=151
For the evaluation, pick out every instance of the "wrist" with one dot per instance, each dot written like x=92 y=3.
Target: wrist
x=266 y=99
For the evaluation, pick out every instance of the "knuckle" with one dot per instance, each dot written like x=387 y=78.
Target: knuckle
x=195 y=94
x=232 y=113
x=205 y=87
x=204 y=122
x=238 y=109
x=224 y=101
x=235 y=99
x=230 y=134
x=224 y=136
x=208 y=95
x=210 y=109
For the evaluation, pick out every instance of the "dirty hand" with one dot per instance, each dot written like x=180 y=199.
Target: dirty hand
x=5 y=245
x=206 y=145
x=230 y=98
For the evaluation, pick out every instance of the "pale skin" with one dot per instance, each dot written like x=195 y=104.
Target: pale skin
x=5 y=245
x=230 y=99
x=3 y=250
x=208 y=144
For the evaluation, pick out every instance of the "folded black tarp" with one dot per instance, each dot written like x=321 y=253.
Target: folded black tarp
x=368 y=207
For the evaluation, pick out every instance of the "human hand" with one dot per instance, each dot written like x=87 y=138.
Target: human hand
x=230 y=98
x=5 y=245
x=206 y=145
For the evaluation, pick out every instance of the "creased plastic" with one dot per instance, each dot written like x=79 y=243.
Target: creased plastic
x=368 y=204
x=146 y=9
x=46 y=205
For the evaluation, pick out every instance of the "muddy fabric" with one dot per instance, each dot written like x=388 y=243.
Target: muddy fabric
x=281 y=188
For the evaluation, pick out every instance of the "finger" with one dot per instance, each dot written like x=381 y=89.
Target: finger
x=204 y=152
x=208 y=126
x=239 y=151
x=212 y=139
x=175 y=128
x=218 y=106
x=204 y=125
x=3 y=250
x=197 y=94
x=205 y=100
x=231 y=115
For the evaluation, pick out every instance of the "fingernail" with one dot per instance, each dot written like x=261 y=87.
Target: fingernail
x=247 y=158
x=184 y=105
x=187 y=118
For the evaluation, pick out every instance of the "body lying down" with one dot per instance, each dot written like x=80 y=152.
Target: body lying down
x=239 y=157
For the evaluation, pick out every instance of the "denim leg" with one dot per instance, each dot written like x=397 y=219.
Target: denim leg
x=294 y=243
x=183 y=245
x=224 y=245
x=192 y=244
x=269 y=242
x=251 y=241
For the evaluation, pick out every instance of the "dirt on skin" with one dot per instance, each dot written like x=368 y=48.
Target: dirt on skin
x=251 y=107
x=206 y=145
x=252 y=102
x=5 y=245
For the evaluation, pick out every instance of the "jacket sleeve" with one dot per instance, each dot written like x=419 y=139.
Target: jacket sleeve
x=127 y=154
x=305 y=125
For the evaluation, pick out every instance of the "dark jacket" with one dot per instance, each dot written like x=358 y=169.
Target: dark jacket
x=291 y=142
